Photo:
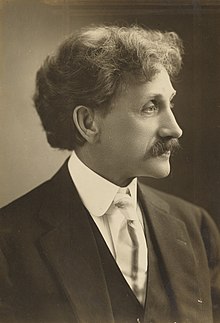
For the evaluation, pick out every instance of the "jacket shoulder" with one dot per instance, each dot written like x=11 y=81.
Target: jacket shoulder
x=156 y=196
x=191 y=214
x=176 y=201
x=34 y=198
x=31 y=200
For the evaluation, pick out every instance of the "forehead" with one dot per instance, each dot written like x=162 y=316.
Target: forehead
x=159 y=86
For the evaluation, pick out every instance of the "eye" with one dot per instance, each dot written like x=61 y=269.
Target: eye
x=151 y=108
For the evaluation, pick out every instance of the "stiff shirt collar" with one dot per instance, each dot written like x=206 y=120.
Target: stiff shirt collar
x=96 y=192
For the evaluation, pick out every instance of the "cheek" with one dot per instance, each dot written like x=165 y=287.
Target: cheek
x=128 y=133
x=115 y=129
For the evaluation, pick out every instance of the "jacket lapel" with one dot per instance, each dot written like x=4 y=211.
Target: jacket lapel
x=176 y=260
x=71 y=251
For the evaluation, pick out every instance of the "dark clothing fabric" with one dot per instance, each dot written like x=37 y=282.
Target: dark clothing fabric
x=55 y=265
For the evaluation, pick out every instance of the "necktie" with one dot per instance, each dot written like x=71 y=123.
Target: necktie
x=131 y=249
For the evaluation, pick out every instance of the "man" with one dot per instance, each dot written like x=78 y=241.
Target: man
x=93 y=244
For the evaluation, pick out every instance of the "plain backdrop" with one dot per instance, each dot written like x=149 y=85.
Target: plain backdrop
x=30 y=30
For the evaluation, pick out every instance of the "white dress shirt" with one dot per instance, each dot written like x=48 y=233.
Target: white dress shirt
x=97 y=195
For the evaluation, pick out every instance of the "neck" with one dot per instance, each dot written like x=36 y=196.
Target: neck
x=105 y=169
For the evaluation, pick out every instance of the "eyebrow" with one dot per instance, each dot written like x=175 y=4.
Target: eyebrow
x=159 y=96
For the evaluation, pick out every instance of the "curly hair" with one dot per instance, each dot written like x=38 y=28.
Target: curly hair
x=89 y=67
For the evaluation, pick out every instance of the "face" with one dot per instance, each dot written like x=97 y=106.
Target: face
x=141 y=115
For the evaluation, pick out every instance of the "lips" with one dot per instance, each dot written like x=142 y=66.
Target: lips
x=167 y=153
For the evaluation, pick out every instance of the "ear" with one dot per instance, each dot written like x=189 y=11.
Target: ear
x=84 y=120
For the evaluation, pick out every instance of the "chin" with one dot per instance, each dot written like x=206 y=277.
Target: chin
x=161 y=174
x=157 y=168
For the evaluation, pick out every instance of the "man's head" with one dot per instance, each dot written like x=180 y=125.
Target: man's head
x=91 y=96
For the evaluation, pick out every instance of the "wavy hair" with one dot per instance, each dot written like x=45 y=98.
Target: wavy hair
x=90 y=66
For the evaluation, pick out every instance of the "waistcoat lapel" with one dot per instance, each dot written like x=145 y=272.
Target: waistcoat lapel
x=71 y=251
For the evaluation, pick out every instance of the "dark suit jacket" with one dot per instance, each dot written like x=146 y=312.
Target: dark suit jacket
x=51 y=271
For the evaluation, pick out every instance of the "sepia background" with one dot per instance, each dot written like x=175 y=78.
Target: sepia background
x=30 y=30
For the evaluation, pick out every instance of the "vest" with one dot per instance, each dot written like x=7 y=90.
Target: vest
x=125 y=306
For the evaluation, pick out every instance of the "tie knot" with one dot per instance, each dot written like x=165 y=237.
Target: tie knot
x=123 y=201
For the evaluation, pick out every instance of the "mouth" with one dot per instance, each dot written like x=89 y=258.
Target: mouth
x=166 y=154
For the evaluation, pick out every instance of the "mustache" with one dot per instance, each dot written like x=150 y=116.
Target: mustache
x=164 y=145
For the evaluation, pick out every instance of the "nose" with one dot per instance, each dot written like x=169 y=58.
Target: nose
x=169 y=126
